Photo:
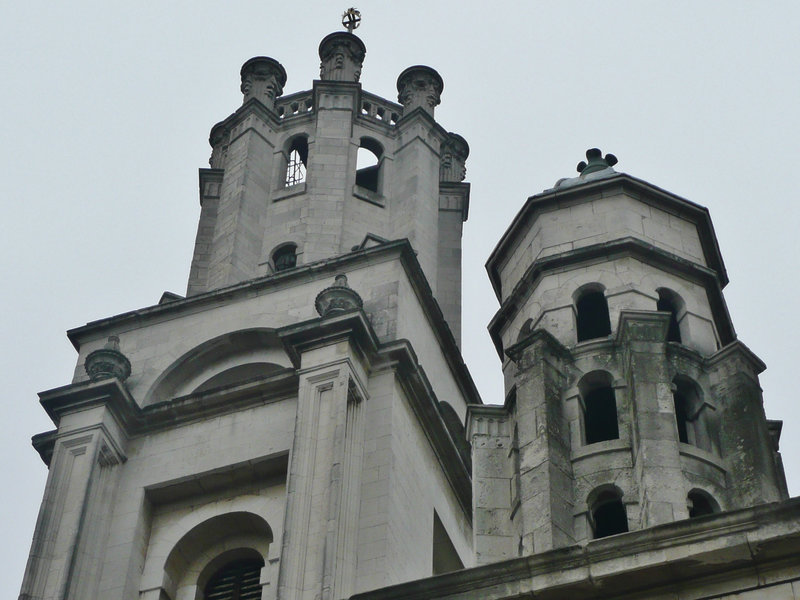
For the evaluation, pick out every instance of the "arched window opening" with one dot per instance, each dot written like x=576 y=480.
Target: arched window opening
x=297 y=162
x=239 y=580
x=593 y=319
x=608 y=515
x=691 y=414
x=368 y=165
x=525 y=330
x=681 y=415
x=285 y=257
x=669 y=302
x=599 y=408
x=701 y=504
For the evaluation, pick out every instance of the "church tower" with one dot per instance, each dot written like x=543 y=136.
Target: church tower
x=629 y=401
x=293 y=427
x=301 y=425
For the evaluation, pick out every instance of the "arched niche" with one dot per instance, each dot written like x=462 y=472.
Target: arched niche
x=210 y=545
x=225 y=360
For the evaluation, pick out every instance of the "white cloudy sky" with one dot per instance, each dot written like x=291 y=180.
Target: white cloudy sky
x=106 y=109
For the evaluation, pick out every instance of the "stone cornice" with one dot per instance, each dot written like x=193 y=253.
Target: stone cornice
x=456 y=188
x=642 y=190
x=251 y=107
x=318 y=270
x=515 y=351
x=682 y=555
x=629 y=246
x=737 y=348
x=134 y=420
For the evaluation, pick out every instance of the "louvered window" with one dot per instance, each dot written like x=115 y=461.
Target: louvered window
x=236 y=581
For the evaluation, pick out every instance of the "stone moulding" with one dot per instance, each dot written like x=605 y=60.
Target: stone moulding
x=354 y=325
x=626 y=184
x=624 y=247
x=401 y=249
x=135 y=420
x=684 y=555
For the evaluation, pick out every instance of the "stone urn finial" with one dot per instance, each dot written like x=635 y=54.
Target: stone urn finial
x=108 y=362
x=596 y=161
x=454 y=153
x=341 y=57
x=340 y=297
x=419 y=86
x=263 y=78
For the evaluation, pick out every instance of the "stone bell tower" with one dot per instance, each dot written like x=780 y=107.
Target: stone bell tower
x=293 y=427
x=629 y=401
x=255 y=210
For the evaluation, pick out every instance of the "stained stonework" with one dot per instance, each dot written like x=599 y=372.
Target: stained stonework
x=323 y=429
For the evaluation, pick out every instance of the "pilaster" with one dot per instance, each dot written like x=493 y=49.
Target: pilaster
x=331 y=170
x=242 y=205
x=656 y=457
x=745 y=442
x=318 y=557
x=493 y=496
x=545 y=470
x=210 y=186
x=69 y=540
x=453 y=206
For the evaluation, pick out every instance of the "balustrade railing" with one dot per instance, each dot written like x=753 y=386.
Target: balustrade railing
x=295 y=105
x=375 y=107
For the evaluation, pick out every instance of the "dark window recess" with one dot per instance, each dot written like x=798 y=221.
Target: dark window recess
x=368 y=165
x=285 y=258
x=681 y=415
x=298 y=160
x=593 y=320
x=236 y=581
x=445 y=557
x=665 y=304
x=609 y=515
x=600 y=405
x=368 y=177
x=699 y=505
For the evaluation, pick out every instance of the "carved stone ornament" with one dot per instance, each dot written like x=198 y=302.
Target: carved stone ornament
x=597 y=162
x=263 y=78
x=108 y=362
x=340 y=297
x=454 y=153
x=341 y=57
x=419 y=86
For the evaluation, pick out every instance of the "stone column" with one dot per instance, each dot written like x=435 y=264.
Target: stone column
x=415 y=178
x=744 y=438
x=318 y=556
x=453 y=210
x=235 y=252
x=492 y=490
x=656 y=455
x=210 y=186
x=545 y=468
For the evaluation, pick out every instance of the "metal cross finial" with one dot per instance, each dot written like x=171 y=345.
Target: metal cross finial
x=351 y=19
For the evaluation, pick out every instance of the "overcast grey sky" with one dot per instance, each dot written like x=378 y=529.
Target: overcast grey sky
x=106 y=109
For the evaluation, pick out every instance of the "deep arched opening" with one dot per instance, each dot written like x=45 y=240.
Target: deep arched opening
x=592 y=315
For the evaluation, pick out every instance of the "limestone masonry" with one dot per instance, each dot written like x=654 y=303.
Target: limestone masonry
x=301 y=426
